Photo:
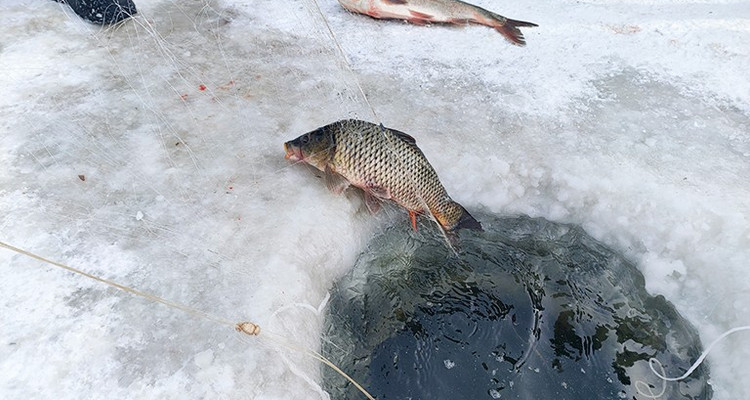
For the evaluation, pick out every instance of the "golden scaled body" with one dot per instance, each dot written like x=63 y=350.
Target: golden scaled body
x=385 y=163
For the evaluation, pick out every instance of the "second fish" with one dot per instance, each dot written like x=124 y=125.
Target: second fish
x=422 y=12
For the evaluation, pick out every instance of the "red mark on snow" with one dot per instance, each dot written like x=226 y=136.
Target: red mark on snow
x=201 y=87
x=227 y=85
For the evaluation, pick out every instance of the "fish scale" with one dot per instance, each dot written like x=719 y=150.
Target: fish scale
x=371 y=162
x=385 y=163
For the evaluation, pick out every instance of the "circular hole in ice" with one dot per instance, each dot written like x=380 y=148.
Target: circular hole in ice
x=528 y=309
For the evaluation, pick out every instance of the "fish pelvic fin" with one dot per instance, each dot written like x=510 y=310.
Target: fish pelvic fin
x=374 y=195
x=510 y=28
x=413 y=219
x=372 y=202
x=419 y=18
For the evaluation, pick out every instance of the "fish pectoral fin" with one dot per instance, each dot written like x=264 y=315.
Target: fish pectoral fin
x=335 y=182
x=396 y=2
x=373 y=203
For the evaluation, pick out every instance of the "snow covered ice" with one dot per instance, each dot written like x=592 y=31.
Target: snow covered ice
x=629 y=118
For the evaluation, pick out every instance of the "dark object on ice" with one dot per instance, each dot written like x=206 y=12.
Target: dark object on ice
x=528 y=309
x=103 y=12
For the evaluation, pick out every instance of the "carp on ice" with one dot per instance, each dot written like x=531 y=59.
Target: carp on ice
x=421 y=12
x=386 y=164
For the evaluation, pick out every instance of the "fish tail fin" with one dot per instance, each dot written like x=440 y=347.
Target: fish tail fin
x=467 y=221
x=509 y=28
x=454 y=217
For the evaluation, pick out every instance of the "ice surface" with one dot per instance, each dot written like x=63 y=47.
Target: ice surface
x=629 y=118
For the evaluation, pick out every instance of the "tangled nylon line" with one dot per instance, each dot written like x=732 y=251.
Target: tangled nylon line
x=346 y=60
x=391 y=146
x=245 y=327
x=645 y=390
x=252 y=329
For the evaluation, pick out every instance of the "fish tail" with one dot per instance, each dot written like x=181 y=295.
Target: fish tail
x=509 y=28
x=454 y=217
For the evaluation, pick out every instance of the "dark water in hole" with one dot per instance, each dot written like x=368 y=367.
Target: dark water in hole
x=528 y=309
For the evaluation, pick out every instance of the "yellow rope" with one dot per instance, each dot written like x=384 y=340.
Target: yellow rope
x=122 y=287
x=248 y=328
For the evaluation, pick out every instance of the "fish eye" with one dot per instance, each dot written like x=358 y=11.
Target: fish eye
x=305 y=139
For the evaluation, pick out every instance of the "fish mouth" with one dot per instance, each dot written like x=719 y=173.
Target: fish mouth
x=293 y=152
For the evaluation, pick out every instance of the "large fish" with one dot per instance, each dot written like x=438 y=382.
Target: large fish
x=386 y=164
x=421 y=12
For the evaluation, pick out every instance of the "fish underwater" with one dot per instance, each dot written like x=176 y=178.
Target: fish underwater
x=386 y=164
x=421 y=12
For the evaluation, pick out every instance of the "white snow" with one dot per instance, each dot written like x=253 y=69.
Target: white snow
x=630 y=118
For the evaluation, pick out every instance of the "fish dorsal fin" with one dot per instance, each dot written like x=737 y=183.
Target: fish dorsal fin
x=335 y=182
x=403 y=136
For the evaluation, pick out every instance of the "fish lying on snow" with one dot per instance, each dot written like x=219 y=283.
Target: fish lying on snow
x=421 y=12
x=386 y=164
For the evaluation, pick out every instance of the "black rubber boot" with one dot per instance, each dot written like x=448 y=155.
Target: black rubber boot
x=102 y=12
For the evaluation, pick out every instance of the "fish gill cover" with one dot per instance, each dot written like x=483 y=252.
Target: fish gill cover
x=529 y=309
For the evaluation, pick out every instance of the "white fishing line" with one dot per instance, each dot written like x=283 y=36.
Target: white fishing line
x=700 y=359
x=645 y=390
x=416 y=187
x=346 y=60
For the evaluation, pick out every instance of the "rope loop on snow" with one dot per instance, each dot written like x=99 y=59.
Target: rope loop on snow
x=248 y=328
